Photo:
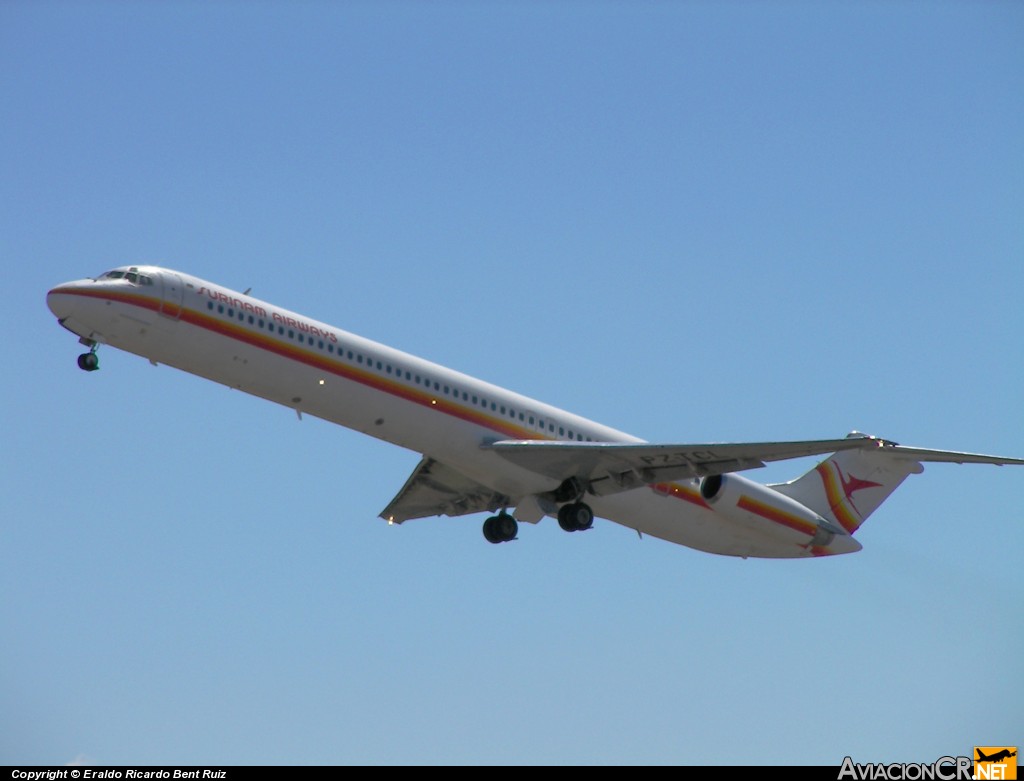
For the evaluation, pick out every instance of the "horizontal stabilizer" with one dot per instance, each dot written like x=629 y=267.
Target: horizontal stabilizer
x=948 y=456
x=849 y=486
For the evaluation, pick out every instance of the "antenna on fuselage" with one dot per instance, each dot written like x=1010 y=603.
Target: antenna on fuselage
x=248 y=290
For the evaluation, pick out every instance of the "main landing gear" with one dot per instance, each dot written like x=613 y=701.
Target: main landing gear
x=575 y=517
x=572 y=517
x=500 y=528
x=89 y=362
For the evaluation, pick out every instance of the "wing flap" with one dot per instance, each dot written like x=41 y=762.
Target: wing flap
x=437 y=489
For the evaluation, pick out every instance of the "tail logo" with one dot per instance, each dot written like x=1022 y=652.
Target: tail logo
x=837 y=489
x=851 y=484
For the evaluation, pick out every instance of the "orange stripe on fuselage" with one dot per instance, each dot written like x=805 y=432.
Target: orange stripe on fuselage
x=765 y=511
x=262 y=341
x=135 y=299
x=776 y=515
x=424 y=398
x=683 y=492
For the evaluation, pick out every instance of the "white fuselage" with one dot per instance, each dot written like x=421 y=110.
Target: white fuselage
x=318 y=369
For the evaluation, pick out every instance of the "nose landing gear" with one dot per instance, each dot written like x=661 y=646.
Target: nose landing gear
x=89 y=362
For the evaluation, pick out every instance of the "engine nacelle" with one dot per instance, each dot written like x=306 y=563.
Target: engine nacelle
x=753 y=504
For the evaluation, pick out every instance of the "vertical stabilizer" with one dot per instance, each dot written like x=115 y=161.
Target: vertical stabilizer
x=850 y=485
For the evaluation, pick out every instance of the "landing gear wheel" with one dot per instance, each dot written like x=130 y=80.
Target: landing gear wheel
x=506 y=526
x=500 y=528
x=88 y=362
x=584 y=516
x=575 y=517
x=489 y=531
x=565 y=518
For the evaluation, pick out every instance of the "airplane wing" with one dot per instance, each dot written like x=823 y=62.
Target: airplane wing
x=437 y=489
x=610 y=467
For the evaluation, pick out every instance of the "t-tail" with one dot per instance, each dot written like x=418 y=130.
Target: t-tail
x=849 y=485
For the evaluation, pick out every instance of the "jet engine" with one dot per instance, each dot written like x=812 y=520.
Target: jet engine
x=752 y=504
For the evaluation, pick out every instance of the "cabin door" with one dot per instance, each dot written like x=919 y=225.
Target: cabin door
x=173 y=296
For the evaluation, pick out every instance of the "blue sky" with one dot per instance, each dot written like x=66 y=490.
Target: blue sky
x=691 y=221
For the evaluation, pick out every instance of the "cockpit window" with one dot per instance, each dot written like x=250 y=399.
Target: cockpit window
x=131 y=275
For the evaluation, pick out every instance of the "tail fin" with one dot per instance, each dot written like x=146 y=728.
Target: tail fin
x=850 y=485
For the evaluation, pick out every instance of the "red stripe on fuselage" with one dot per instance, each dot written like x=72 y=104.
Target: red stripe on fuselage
x=261 y=341
x=682 y=492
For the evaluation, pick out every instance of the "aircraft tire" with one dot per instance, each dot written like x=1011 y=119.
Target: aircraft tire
x=565 y=519
x=490 y=533
x=506 y=527
x=88 y=362
x=575 y=517
x=583 y=516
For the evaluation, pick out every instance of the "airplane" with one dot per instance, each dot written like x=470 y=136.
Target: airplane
x=487 y=449
x=997 y=757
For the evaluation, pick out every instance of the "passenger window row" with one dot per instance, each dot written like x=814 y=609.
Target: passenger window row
x=425 y=382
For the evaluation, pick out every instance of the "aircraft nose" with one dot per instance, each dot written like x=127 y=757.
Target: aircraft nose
x=59 y=299
x=62 y=298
